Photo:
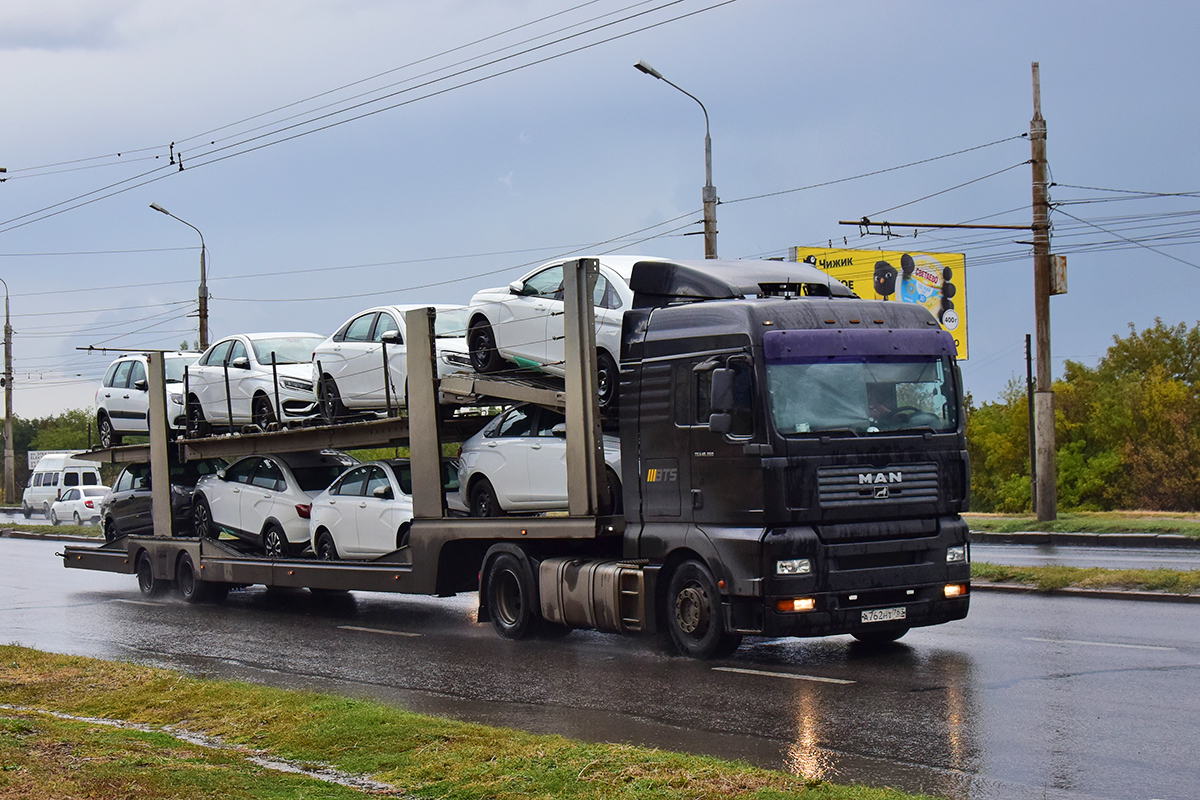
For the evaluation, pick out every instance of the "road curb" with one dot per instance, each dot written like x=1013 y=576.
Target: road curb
x=9 y=533
x=1104 y=594
x=1163 y=540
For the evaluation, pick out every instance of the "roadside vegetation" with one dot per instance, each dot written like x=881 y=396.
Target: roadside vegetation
x=1182 y=524
x=43 y=755
x=1050 y=578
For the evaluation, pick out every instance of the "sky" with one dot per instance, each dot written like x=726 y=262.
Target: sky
x=341 y=154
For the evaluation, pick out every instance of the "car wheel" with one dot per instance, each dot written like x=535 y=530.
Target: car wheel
x=197 y=425
x=46 y=510
x=615 y=500
x=26 y=511
x=202 y=521
x=607 y=380
x=53 y=517
x=483 y=500
x=147 y=583
x=263 y=414
x=693 y=614
x=275 y=543
x=511 y=598
x=76 y=519
x=402 y=536
x=107 y=437
x=110 y=530
x=326 y=549
x=879 y=637
x=330 y=400
x=482 y=345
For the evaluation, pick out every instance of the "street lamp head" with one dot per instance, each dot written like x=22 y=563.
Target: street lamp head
x=642 y=66
x=160 y=209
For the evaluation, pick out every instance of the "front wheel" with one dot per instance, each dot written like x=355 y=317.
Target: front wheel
x=693 y=614
x=607 y=379
x=26 y=511
x=262 y=413
x=110 y=530
x=511 y=598
x=481 y=343
x=330 y=401
x=202 y=521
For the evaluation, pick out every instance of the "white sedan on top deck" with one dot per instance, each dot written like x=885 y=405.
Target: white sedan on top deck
x=256 y=363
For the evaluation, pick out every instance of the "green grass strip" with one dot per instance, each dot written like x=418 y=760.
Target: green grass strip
x=421 y=756
x=1090 y=522
x=1049 y=578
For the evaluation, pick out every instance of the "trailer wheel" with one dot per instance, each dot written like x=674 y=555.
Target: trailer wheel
x=147 y=583
x=511 y=600
x=202 y=519
x=483 y=500
x=879 y=637
x=693 y=612
x=194 y=590
x=326 y=549
x=275 y=543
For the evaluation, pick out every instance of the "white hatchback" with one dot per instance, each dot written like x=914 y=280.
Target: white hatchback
x=348 y=367
x=522 y=323
x=518 y=463
x=123 y=399
x=262 y=368
x=266 y=500
x=79 y=505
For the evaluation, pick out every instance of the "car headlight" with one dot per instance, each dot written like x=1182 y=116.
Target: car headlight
x=297 y=386
x=177 y=398
x=956 y=555
x=793 y=566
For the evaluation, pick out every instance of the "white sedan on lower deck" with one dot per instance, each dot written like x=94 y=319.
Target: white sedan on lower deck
x=518 y=463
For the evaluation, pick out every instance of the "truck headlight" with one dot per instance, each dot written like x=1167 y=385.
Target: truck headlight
x=793 y=566
x=956 y=555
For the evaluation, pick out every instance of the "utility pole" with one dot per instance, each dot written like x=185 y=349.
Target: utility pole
x=1046 y=470
x=10 y=462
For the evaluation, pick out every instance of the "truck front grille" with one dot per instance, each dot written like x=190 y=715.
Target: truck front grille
x=906 y=484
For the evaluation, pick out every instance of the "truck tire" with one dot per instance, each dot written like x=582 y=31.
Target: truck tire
x=275 y=543
x=147 y=583
x=693 y=614
x=194 y=590
x=481 y=342
x=512 y=597
x=879 y=637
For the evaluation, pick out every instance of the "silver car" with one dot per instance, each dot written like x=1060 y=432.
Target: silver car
x=518 y=463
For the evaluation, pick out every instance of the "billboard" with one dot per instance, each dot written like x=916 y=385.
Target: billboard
x=937 y=281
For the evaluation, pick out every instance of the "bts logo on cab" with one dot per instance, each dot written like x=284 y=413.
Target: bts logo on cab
x=935 y=280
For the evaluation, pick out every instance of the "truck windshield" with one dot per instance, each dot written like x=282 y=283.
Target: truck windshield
x=870 y=395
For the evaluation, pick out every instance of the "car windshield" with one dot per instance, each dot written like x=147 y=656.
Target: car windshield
x=451 y=323
x=287 y=349
x=175 y=366
x=862 y=396
x=317 y=478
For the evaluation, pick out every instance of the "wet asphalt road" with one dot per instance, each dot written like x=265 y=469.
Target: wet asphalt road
x=1029 y=697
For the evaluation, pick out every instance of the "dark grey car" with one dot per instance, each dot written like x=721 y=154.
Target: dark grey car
x=126 y=510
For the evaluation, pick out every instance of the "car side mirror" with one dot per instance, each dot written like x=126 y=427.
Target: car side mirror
x=722 y=390
x=141 y=385
x=383 y=492
x=221 y=475
x=517 y=288
x=391 y=337
x=560 y=430
x=240 y=363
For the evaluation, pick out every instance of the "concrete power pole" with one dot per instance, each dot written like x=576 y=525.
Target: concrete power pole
x=1046 y=470
x=10 y=462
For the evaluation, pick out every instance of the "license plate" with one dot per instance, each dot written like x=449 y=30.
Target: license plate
x=884 y=614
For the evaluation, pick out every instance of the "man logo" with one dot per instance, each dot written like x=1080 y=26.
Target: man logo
x=873 y=478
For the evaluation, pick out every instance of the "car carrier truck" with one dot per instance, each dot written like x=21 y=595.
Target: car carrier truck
x=794 y=465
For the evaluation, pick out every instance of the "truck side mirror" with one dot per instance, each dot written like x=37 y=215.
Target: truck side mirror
x=722 y=390
x=720 y=422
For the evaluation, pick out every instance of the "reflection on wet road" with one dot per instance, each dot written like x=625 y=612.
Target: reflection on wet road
x=1026 y=698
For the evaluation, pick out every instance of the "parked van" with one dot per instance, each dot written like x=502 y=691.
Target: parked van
x=54 y=474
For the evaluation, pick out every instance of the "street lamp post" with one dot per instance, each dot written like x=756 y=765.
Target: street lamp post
x=10 y=464
x=709 y=195
x=203 y=277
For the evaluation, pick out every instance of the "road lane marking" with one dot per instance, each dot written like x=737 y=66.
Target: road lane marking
x=789 y=675
x=136 y=602
x=376 y=630
x=1099 y=644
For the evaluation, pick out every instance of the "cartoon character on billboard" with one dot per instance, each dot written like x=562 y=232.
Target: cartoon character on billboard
x=927 y=284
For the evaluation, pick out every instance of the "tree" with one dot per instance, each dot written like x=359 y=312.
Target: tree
x=67 y=431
